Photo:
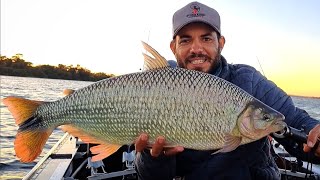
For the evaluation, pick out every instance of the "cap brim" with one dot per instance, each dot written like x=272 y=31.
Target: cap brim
x=195 y=21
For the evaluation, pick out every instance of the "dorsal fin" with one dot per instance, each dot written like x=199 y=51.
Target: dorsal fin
x=155 y=62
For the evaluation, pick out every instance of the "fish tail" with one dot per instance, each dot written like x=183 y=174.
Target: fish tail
x=29 y=143
x=30 y=139
x=20 y=108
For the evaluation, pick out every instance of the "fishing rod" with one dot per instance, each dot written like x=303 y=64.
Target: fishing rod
x=260 y=66
x=297 y=135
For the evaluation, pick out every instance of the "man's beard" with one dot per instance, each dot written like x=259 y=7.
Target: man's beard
x=213 y=62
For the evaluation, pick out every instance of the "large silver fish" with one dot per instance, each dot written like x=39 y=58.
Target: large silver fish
x=189 y=108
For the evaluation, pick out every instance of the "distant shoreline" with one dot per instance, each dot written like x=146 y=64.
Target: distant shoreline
x=46 y=78
x=313 y=97
x=15 y=66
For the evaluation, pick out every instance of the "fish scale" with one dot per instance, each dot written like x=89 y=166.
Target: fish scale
x=191 y=102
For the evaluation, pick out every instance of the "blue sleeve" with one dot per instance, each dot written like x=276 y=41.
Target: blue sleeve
x=173 y=63
x=148 y=167
x=267 y=92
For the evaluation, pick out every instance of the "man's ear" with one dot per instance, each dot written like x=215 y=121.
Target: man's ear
x=173 y=46
x=222 y=41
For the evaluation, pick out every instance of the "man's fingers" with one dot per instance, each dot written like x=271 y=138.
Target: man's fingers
x=313 y=136
x=306 y=148
x=313 y=141
x=141 y=142
x=157 y=148
x=173 y=151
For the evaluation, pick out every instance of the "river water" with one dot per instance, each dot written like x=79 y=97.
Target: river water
x=30 y=88
x=51 y=90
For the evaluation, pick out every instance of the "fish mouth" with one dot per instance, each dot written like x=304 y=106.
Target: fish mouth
x=279 y=120
x=278 y=125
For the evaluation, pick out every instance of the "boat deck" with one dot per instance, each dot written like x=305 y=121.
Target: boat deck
x=70 y=159
x=58 y=158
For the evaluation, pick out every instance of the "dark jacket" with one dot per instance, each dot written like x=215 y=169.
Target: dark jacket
x=250 y=161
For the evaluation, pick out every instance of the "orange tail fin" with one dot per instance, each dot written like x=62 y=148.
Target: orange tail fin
x=29 y=142
x=21 y=109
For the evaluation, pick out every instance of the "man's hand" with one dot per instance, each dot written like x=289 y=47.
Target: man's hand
x=313 y=137
x=157 y=148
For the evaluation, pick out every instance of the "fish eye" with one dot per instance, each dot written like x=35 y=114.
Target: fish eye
x=266 y=117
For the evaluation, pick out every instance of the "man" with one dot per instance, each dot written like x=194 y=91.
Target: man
x=197 y=44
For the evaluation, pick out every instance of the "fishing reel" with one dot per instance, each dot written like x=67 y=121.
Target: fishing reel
x=299 y=136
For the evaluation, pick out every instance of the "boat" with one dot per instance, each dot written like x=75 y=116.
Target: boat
x=70 y=159
x=292 y=168
x=289 y=166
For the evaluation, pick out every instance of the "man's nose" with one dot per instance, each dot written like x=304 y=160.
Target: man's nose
x=196 y=47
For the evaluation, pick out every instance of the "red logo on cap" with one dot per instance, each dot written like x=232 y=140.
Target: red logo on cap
x=195 y=9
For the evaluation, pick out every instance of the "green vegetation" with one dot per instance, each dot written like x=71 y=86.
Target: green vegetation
x=16 y=66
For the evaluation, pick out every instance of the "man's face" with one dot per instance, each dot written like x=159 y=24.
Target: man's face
x=197 y=47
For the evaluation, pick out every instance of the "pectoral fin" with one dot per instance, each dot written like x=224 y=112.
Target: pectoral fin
x=231 y=143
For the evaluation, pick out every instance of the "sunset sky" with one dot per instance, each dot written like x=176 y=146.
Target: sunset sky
x=104 y=36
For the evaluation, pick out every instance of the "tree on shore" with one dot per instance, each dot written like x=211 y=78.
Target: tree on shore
x=17 y=66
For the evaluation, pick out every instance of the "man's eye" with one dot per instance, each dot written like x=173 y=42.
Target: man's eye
x=207 y=39
x=183 y=41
